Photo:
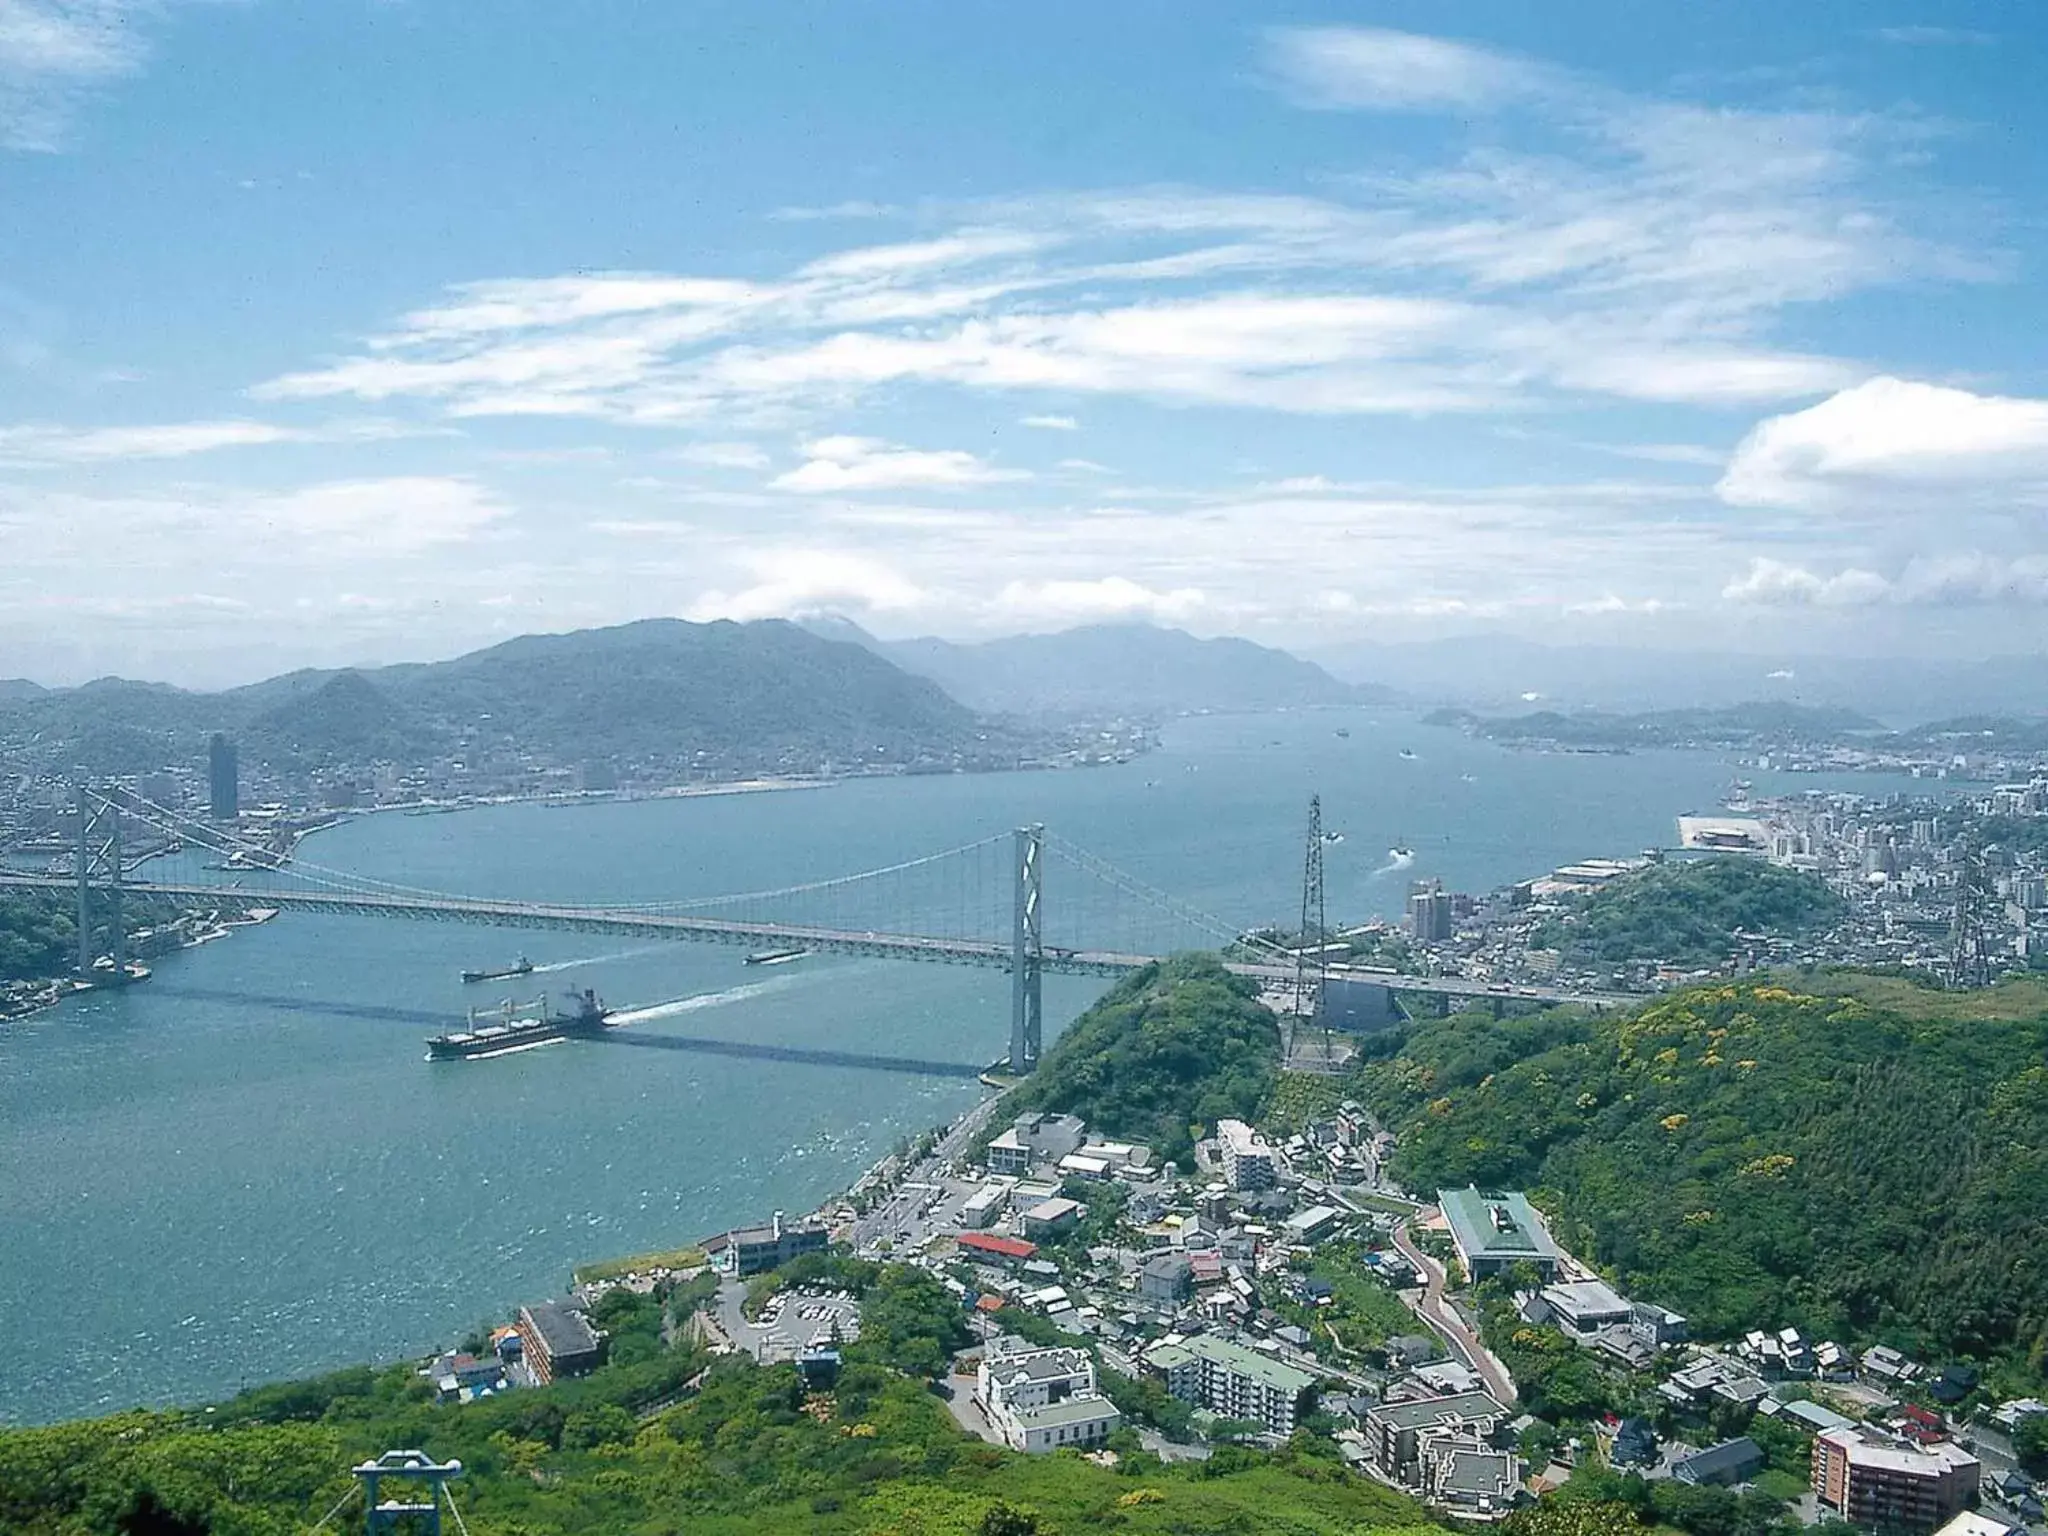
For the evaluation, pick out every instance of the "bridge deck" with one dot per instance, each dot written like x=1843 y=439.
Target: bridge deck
x=663 y=925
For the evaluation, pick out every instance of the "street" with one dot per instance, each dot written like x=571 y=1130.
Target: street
x=1431 y=1307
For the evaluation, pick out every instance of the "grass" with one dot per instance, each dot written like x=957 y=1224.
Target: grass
x=641 y=1263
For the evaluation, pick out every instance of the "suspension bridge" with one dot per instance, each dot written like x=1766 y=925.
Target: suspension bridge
x=982 y=903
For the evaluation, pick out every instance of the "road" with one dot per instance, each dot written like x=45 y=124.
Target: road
x=901 y=1218
x=1443 y=1319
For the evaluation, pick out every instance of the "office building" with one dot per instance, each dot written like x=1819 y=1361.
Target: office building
x=557 y=1341
x=1891 y=1485
x=1035 y=1138
x=223 y=778
x=1495 y=1232
x=1042 y=1399
x=1231 y=1381
x=754 y=1250
x=1247 y=1160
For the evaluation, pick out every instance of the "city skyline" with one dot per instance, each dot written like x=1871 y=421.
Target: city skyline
x=375 y=334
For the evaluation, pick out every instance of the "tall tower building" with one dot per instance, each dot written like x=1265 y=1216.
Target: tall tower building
x=222 y=775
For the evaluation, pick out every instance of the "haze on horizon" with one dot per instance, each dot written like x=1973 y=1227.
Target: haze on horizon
x=380 y=331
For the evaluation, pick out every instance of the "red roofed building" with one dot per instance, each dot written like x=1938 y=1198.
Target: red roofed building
x=1003 y=1250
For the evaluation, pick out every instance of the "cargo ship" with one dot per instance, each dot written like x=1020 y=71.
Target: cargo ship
x=507 y=1030
x=523 y=968
x=776 y=956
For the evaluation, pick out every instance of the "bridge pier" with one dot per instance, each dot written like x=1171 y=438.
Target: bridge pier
x=1027 y=952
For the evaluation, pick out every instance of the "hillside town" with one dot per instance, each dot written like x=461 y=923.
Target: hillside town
x=1288 y=1287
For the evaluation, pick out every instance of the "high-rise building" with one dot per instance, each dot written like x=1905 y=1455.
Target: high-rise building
x=1893 y=1485
x=1430 y=919
x=222 y=776
x=1247 y=1160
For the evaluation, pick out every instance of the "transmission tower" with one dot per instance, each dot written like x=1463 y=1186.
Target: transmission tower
x=1312 y=960
x=1969 y=960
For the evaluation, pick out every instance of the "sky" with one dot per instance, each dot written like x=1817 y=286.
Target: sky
x=370 y=330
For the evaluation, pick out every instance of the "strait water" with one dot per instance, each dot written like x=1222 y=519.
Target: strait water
x=244 y=1170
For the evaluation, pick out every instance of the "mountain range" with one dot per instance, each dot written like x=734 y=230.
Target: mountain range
x=1112 y=669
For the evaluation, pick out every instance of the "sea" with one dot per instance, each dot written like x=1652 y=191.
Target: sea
x=244 y=1170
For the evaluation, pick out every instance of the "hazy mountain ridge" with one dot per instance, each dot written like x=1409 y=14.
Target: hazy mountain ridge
x=1113 y=669
x=659 y=688
x=1491 y=671
x=1756 y=722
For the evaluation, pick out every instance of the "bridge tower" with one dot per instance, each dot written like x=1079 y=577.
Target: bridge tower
x=98 y=871
x=1312 y=960
x=1027 y=951
x=416 y=1508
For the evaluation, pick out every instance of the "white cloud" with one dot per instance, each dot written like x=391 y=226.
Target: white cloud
x=1888 y=438
x=1935 y=37
x=724 y=455
x=51 y=53
x=1051 y=423
x=1971 y=579
x=1378 y=69
x=39 y=445
x=789 y=583
x=1109 y=597
x=837 y=464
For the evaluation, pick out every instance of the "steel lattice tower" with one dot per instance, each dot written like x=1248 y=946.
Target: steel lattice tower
x=1969 y=963
x=1312 y=960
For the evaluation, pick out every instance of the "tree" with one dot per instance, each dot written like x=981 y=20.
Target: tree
x=1003 y=1520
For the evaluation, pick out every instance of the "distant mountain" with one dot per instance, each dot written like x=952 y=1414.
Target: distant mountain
x=712 y=696
x=14 y=689
x=1496 y=670
x=1112 y=669
x=1755 y=723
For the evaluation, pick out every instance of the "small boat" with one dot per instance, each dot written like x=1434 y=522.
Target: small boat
x=1333 y=837
x=523 y=968
x=776 y=956
x=1343 y=733
x=1408 y=754
x=1401 y=855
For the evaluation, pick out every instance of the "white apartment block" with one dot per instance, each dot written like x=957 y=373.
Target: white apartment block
x=1247 y=1161
x=1042 y=1399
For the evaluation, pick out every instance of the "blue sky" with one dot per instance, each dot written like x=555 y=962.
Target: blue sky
x=354 y=332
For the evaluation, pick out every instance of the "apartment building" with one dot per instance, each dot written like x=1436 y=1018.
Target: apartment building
x=1891 y=1485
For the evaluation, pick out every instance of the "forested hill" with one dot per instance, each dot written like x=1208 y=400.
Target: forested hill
x=661 y=689
x=1688 y=913
x=1177 y=1044
x=1758 y=1157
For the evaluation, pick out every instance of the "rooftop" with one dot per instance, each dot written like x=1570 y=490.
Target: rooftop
x=1502 y=1225
x=1428 y=1412
x=1896 y=1455
x=562 y=1331
x=1276 y=1374
x=1072 y=1410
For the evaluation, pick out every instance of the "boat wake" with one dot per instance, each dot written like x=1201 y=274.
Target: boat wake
x=703 y=1000
x=618 y=954
x=1397 y=859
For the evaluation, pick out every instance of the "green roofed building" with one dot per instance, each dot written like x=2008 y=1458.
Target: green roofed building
x=1494 y=1232
x=1231 y=1381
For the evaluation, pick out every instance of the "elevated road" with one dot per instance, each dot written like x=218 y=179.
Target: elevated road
x=631 y=923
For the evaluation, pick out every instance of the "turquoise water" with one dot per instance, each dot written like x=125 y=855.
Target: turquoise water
x=244 y=1170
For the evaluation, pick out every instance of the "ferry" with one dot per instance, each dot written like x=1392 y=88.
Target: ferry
x=776 y=956
x=523 y=968
x=509 y=1031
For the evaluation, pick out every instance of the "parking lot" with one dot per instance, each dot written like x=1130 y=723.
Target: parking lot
x=793 y=1322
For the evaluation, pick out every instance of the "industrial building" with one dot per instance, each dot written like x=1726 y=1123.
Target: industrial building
x=1891 y=1485
x=1247 y=1160
x=1042 y=1399
x=1495 y=1232
x=557 y=1341
x=1232 y=1381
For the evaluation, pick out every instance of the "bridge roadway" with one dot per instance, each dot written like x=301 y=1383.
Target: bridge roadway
x=665 y=925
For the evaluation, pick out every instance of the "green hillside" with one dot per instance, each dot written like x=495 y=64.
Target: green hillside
x=1757 y=1157
x=745 y=1451
x=1689 y=913
x=1175 y=1045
